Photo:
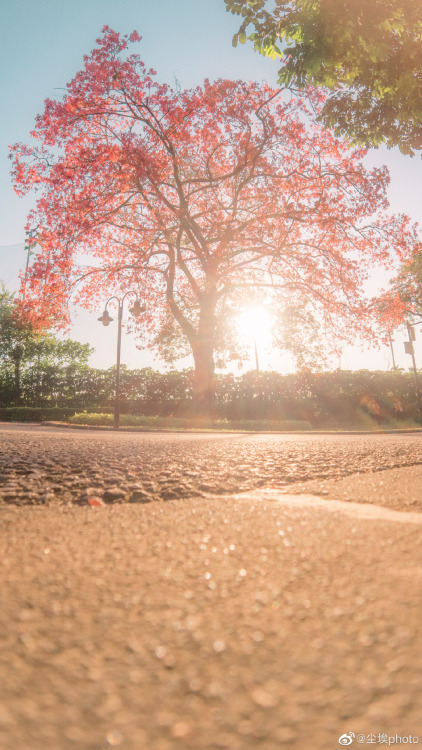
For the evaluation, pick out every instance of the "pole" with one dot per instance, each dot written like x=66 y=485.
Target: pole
x=256 y=357
x=412 y=352
x=392 y=350
x=105 y=319
x=119 y=344
x=26 y=271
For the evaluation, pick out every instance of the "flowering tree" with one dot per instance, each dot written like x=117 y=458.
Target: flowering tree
x=200 y=200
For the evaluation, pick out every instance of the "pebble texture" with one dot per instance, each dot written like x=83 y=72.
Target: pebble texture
x=47 y=466
x=233 y=624
x=258 y=620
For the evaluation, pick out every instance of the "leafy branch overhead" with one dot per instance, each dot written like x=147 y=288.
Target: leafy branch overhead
x=368 y=53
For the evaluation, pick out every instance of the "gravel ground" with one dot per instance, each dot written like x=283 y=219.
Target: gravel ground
x=257 y=620
x=242 y=622
x=48 y=466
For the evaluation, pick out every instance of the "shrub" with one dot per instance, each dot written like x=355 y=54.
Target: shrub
x=35 y=414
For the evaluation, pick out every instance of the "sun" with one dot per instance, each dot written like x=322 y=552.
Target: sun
x=255 y=324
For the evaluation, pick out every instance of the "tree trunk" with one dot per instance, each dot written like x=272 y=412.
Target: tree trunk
x=203 y=380
x=202 y=342
x=203 y=355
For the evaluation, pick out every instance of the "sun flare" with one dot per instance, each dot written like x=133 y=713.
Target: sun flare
x=255 y=324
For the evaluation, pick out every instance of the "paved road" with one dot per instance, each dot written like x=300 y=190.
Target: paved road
x=236 y=623
x=45 y=465
x=257 y=620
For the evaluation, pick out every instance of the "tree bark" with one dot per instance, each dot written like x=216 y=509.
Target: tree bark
x=203 y=379
x=203 y=354
x=201 y=340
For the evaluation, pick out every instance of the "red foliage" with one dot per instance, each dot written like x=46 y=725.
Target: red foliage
x=193 y=197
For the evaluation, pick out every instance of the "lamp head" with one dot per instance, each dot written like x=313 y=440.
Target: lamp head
x=137 y=308
x=105 y=318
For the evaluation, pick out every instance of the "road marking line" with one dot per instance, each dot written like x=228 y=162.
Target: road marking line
x=356 y=510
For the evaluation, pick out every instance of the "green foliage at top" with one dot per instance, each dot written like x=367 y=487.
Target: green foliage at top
x=367 y=52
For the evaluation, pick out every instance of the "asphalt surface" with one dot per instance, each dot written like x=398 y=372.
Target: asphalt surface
x=254 y=620
x=48 y=466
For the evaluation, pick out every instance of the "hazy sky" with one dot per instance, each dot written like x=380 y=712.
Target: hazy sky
x=42 y=44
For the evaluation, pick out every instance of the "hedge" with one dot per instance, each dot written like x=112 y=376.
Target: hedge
x=36 y=414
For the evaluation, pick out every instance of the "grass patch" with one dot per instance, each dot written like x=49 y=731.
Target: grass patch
x=367 y=425
x=189 y=423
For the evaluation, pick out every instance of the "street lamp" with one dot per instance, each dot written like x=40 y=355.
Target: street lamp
x=106 y=319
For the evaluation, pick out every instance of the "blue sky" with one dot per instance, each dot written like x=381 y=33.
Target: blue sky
x=42 y=43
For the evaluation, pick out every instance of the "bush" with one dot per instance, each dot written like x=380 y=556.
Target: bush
x=36 y=414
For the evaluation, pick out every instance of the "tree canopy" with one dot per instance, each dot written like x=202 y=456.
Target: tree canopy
x=367 y=52
x=25 y=352
x=202 y=201
x=408 y=286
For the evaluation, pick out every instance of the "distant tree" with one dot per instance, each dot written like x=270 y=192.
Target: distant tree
x=408 y=285
x=368 y=52
x=53 y=369
x=202 y=201
x=16 y=337
x=29 y=360
x=402 y=302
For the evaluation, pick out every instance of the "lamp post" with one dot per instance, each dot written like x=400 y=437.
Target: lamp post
x=408 y=347
x=256 y=356
x=106 y=319
x=392 y=350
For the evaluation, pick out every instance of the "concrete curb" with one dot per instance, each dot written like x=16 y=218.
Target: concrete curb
x=104 y=428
